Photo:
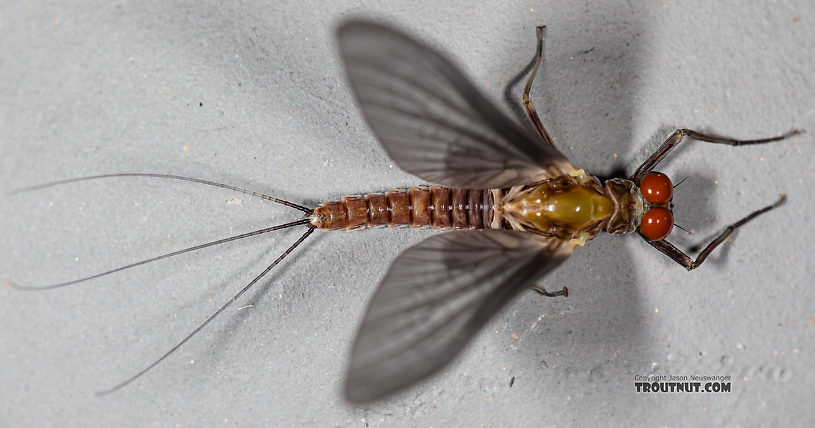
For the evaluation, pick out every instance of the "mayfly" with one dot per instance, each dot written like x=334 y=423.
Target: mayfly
x=516 y=208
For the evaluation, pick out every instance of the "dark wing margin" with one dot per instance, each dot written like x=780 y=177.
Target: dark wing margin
x=432 y=120
x=436 y=296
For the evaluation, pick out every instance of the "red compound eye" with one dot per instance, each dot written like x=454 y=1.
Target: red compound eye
x=656 y=188
x=657 y=223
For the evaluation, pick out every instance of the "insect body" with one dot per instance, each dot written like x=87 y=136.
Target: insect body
x=520 y=205
x=420 y=206
x=565 y=207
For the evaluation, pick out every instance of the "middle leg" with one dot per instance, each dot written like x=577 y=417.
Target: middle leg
x=527 y=102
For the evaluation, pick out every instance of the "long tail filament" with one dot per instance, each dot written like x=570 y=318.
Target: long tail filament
x=304 y=221
x=218 y=312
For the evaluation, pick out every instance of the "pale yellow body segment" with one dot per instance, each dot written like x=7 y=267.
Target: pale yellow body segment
x=575 y=207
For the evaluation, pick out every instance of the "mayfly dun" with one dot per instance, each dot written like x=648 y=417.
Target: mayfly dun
x=514 y=206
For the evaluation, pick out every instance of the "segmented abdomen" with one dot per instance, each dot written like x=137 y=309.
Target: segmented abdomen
x=438 y=207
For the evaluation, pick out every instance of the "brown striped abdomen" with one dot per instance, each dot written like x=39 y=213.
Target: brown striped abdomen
x=438 y=207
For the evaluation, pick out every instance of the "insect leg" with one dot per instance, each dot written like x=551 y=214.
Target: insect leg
x=683 y=259
x=680 y=135
x=212 y=317
x=530 y=108
x=539 y=288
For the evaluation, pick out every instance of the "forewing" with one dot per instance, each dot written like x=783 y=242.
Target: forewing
x=432 y=121
x=435 y=297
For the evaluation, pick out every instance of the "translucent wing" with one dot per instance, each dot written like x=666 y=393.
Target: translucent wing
x=432 y=121
x=436 y=297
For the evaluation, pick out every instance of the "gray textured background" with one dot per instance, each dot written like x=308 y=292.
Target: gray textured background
x=252 y=94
